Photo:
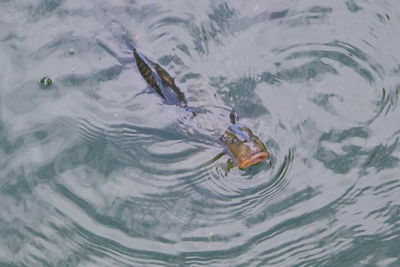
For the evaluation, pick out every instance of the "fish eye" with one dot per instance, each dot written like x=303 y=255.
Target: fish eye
x=235 y=141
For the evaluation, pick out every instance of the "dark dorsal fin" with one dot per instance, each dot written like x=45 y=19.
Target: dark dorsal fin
x=169 y=81
x=147 y=73
x=158 y=78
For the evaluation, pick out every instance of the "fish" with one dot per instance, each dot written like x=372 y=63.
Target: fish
x=244 y=148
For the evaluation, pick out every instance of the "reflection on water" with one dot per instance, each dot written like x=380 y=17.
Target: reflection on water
x=98 y=171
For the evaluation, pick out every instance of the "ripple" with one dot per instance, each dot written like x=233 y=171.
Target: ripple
x=160 y=153
x=337 y=51
x=318 y=63
x=387 y=103
x=187 y=182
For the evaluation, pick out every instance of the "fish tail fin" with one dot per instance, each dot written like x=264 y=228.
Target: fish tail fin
x=233 y=116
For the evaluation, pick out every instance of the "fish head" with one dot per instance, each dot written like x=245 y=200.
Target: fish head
x=244 y=146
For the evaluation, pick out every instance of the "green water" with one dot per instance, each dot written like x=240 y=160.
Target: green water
x=95 y=170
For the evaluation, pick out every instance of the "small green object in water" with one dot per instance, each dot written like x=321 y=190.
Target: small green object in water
x=210 y=236
x=46 y=81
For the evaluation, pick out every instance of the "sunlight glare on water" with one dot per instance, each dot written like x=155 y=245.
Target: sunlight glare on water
x=98 y=171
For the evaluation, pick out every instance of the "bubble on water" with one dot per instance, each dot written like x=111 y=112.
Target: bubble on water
x=46 y=81
x=71 y=52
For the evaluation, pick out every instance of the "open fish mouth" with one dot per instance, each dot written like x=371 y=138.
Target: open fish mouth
x=253 y=159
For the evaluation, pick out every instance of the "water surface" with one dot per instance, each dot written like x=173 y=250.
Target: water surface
x=98 y=171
